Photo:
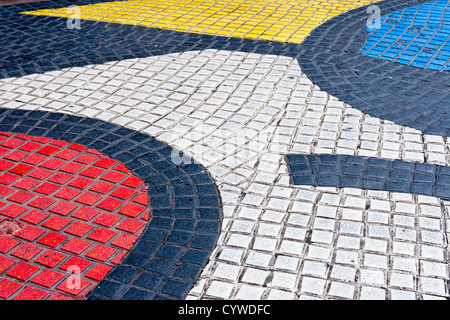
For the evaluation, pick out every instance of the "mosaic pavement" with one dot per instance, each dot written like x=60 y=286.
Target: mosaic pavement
x=416 y=36
x=308 y=170
x=284 y=21
x=95 y=183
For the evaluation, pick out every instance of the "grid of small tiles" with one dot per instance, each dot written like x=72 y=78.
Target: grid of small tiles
x=270 y=20
x=370 y=174
x=80 y=210
x=418 y=36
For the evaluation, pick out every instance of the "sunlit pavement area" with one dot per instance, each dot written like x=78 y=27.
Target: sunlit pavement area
x=224 y=149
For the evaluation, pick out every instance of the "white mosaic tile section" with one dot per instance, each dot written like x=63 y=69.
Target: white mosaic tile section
x=238 y=114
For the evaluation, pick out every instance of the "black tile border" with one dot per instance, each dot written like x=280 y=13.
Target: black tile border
x=186 y=211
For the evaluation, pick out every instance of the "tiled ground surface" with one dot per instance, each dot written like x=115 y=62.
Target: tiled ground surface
x=241 y=108
x=273 y=20
x=406 y=95
x=98 y=42
x=277 y=239
x=369 y=174
x=418 y=36
x=75 y=210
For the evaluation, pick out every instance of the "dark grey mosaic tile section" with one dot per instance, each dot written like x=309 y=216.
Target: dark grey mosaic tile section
x=185 y=203
x=343 y=171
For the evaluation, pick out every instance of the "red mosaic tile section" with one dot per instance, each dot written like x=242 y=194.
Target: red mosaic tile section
x=80 y=213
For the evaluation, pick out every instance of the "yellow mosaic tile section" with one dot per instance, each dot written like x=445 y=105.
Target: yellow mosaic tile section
x=272 y=20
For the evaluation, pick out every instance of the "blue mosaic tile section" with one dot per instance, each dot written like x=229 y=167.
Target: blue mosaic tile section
x=418 y=36
x=343 y=171
x=414 y=97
